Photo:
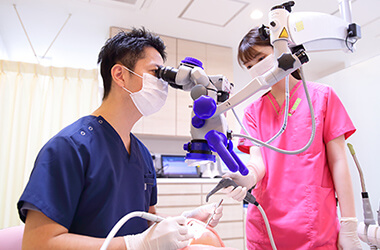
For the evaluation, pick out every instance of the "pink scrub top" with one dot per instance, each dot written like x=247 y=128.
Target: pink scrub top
x=297 y=192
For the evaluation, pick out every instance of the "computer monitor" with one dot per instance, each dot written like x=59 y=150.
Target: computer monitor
x=174 y=166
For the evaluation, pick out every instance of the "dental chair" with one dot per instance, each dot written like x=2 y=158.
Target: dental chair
x=11 y=237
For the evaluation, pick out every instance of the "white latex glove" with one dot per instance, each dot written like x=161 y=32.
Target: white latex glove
x=171 y=233
x=348 y=236
x=203 y=213
x=245 y=182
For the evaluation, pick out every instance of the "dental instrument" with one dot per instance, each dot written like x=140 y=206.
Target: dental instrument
x=227 y=182
x=212 y=215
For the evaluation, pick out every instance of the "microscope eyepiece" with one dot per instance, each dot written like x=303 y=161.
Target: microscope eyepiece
x=167 y=73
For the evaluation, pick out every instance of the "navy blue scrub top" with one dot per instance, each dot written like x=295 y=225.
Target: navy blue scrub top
x=85 y=180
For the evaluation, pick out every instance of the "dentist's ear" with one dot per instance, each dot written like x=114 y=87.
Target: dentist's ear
x=117 y=75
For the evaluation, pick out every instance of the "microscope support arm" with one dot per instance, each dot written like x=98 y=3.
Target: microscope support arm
x=292 y=35
x=257 y=84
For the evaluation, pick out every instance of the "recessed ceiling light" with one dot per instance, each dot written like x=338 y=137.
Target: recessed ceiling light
x=256 y=14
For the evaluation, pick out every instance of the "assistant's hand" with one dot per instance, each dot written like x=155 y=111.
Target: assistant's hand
x=171 y=233
x=202 y=213
x=245 y=182
x=348 y=236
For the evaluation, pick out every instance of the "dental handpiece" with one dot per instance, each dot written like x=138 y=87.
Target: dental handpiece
x=367 y=209
x=123 y=220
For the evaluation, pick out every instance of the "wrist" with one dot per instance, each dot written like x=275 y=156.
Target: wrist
x=348 y=224
x=252 y=177
x=134 y=241
x=128 y=242
x=348 y=219
x=257 y=170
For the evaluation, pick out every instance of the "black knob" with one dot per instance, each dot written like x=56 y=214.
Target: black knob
x=263 y=33
x=286 y=61
x=288 y=5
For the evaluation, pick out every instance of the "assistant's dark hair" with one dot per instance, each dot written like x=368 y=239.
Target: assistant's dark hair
x=246 y=50
x=126 y=48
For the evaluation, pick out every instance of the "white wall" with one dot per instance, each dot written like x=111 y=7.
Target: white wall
x=358 y=87
x=3 y=53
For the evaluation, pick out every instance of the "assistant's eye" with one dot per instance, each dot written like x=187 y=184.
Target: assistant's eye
x=261 y=58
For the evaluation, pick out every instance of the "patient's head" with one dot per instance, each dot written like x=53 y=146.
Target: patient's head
x=202 y=235
x=204 y=238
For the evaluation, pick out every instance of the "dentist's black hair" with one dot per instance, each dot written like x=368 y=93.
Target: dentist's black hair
x=126 y=48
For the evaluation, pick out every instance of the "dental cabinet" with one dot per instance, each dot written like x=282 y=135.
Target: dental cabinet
x=174 y=118
x=179 y=194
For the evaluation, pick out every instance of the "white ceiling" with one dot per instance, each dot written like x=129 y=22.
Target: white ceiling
x=199 y=11
x=222 y=22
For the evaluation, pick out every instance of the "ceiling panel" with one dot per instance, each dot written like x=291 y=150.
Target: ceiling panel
x=221 y=22
x=131 y=4
x=205 y=11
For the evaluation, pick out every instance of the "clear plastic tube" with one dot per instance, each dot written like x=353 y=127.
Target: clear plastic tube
x=285 y=121
x=312 y=124
x=286 y=112
x=267 y=227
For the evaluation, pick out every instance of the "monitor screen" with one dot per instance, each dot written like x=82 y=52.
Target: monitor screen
x=175 y=166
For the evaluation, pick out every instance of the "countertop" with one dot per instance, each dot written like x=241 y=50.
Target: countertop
x=188 y=180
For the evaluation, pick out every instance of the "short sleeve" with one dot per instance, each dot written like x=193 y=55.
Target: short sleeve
x=56 y=181
x=153 y=198
x=337 y=121
x=251 y=126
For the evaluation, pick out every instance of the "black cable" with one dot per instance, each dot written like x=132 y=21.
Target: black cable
x=209 y=79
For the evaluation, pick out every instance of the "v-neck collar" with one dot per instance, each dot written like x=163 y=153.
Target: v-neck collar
x=118 y=138
x=279 y=110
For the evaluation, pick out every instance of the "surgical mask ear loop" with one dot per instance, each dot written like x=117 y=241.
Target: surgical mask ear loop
x=126 y=89
x=131 y=71
x=130 y=92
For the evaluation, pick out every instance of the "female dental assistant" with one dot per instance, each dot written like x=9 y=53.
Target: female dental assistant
x=297 y=192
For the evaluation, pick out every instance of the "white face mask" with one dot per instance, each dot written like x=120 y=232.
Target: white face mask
x=152 y=95
x=262 y=67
